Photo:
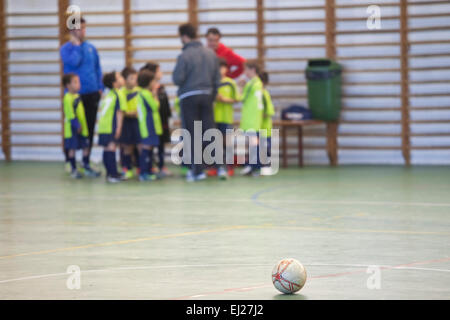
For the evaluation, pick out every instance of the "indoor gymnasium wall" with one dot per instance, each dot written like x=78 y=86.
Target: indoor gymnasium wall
x=373 y=122
x=381 y=122
x=429 y=62
x=34 y=79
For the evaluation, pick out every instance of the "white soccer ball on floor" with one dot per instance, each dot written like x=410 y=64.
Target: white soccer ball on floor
x=288 y=276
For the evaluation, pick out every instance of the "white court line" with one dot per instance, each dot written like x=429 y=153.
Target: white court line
x=34 y=277
x=220 y=265
x=372 y=203
x=230 y=200
x=422 y=269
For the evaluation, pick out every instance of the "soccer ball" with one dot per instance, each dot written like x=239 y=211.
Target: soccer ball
x=288 y=276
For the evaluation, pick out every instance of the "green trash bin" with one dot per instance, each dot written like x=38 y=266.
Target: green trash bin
x=324 y=89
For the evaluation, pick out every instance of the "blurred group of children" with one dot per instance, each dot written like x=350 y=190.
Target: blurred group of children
x=256 y=113
x=134 y=118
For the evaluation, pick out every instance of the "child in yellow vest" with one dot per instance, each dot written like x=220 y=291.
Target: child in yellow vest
x=227 y=95
x=266 y=126
x=252 y=115
x=130 y=130
x=110 y=123
x=150 y=126
x=75 y=127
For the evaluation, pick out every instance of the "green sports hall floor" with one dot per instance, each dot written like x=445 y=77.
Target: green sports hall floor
x=219 y=240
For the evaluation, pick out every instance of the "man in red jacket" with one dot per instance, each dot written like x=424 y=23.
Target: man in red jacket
x=235 y=62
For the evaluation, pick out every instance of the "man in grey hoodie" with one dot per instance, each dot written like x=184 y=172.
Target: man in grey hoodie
x=197 y=76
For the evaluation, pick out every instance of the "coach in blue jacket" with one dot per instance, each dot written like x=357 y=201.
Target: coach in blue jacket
x=81 y=57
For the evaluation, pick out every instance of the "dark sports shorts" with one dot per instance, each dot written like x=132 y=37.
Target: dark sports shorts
x=151 y=140
x=76 y=142
x=105 y=139
x=130 y=131
x=223 y=127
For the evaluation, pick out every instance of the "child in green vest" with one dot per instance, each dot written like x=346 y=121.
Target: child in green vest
x=75 y=126
x=252 y=115
x=150 y=126
x=130 y=132
x=164 y=113
x=266 y=126
x=227 y=95
x=176 y=105
x=112 y=108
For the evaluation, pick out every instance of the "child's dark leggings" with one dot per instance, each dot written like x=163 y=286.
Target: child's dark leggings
x=146 y=161
x=161 y=153
x=254 y=159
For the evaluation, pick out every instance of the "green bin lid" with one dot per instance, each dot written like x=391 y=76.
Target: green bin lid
x=323 y=64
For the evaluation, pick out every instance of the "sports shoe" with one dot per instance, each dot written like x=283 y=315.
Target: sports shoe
x=201 y=176
x=127 y=175
x=222 y=173
x=230 y=171
x=121 y=176
x=256 y=173
x=184 y=171
x=266 y=171
x=166 y=172
x=147 y=177
x=246 y=171
x=112 y=179
x=190 y=176
x=212 y=172
x=68 y=167
x=88 y=172
x=76 y=174
x=160 y=175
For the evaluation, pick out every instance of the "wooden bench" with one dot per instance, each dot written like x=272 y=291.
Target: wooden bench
x=284 y=125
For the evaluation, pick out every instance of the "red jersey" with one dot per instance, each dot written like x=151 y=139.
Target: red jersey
x=233 y=60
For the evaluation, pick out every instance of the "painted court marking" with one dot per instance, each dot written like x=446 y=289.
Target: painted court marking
x=230 y=228
x=268 y=204
x=255 y=197
x=344 y=230
x=119 y=269
x=112 y=243
x=397 y=267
